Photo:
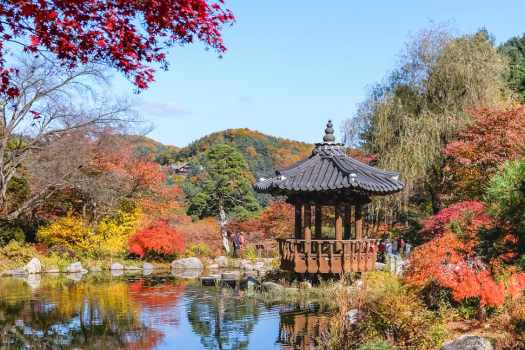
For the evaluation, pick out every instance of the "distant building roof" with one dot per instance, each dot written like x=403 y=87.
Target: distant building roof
x=329 y=169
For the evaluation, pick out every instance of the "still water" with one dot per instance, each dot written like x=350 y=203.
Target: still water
x=144 y=312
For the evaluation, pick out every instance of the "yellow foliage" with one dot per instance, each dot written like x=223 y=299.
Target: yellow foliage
x=108 y=238
x=69 y=231
x=112 y=234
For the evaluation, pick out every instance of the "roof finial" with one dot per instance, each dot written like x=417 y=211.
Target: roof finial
x=329 y=133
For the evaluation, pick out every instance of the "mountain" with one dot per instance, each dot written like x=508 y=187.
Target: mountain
x=264 y=153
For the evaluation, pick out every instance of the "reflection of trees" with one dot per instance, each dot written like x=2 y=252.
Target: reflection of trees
x=91 y=314
x=156 y=295
x=221 y=320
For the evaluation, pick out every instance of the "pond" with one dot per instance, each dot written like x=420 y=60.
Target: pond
x=144 y=312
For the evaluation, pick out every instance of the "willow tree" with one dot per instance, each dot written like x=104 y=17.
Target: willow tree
x=408 y=118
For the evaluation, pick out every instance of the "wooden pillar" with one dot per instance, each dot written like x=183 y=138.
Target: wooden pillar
x=359 y=221
x=298 y=221
x=338 y=222
x=307 y=224
x=318 y=221
x=338 y=226
x=347 y=222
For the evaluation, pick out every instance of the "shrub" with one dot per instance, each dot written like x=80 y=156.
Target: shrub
x=17 y=252
x=70 y=232
x=10 y=232
x=393 y=312
x=198 y=249
x=158 y=241
x=113 y=233
x=376 y=345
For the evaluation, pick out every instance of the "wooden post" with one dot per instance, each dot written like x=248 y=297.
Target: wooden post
x=338 y=225
x=307 y=231
x=298 y=221
x=347 y=222
x=359 y=221
x=318 y=221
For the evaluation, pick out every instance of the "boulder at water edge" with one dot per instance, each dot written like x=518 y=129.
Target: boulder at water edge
x=116 y=266
x=468 y=342
x=33 y=266
x=187 y=263
x=147 y=266
x=271 y=286
x=75 y=267
x=222 y=261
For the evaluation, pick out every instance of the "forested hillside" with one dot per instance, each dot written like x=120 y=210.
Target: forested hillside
x=263 y=153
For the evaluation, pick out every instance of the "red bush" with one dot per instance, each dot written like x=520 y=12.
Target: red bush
x=451 y=258
x=159 y=240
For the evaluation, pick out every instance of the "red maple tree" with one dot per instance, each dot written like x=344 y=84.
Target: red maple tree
x=450 y=257
x=493 y=137
x=158 y=240
x=128 y=35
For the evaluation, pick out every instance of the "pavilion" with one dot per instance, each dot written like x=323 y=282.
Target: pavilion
x=329 y=178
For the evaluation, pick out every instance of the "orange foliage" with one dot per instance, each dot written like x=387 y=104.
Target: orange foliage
x=201 y=231
x=277 y=220
x=451 y=260
x=146 y=181
x=159 y=239
x=495 y=136
x=159 y=296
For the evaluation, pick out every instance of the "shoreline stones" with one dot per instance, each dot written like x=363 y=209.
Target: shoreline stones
x=187 y=264
x=116 y=267
x=76 y=267
x=271 y=287
x=33 y=267
x=468 y=342
x=221 y=261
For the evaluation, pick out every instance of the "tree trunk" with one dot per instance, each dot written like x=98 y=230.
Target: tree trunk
x=223 y=221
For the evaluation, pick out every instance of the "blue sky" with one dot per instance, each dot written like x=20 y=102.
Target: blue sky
x=292 y=65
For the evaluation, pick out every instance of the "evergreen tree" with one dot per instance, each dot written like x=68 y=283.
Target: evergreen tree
x=221 y=185
x=514 y=49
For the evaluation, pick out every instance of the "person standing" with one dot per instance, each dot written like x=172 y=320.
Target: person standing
x=236 y=244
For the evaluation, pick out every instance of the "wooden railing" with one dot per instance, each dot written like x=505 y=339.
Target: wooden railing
x=328 y=256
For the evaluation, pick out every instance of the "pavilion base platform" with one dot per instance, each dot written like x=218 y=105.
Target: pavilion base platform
x=328 y=256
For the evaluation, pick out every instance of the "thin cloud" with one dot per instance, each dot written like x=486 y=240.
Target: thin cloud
x=162 y=109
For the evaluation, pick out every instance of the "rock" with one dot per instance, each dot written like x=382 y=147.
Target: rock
x=246 y=265
x=305 y=285
x=221 y=261
x=17 y=272
x=147 y=272
x=116 y=267
x=231 y=275
x=213 y=267
x=186 y=273
x=147 y=266
x=271 y=286
x=187 y=263
x=75 y=267
x=53 y=270
x=468 y=342
x=259 y=265
x=95 y=269
x=34 y=266
x=291 y=290
x=352 y=316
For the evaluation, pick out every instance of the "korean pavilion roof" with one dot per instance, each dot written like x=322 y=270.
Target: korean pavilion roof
x=330 y=169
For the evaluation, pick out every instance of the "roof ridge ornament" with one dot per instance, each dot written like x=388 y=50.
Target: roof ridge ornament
x=329 y=133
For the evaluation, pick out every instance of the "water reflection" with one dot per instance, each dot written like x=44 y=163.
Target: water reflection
x=220 y=319
x=143 y=312
x=301 y=329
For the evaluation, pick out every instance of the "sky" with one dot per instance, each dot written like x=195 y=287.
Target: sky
x=292 y=65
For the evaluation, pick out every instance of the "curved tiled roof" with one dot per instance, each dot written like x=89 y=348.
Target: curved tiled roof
x=329 y=168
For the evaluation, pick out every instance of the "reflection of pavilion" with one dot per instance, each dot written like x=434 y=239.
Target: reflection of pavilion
x=301 y=329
